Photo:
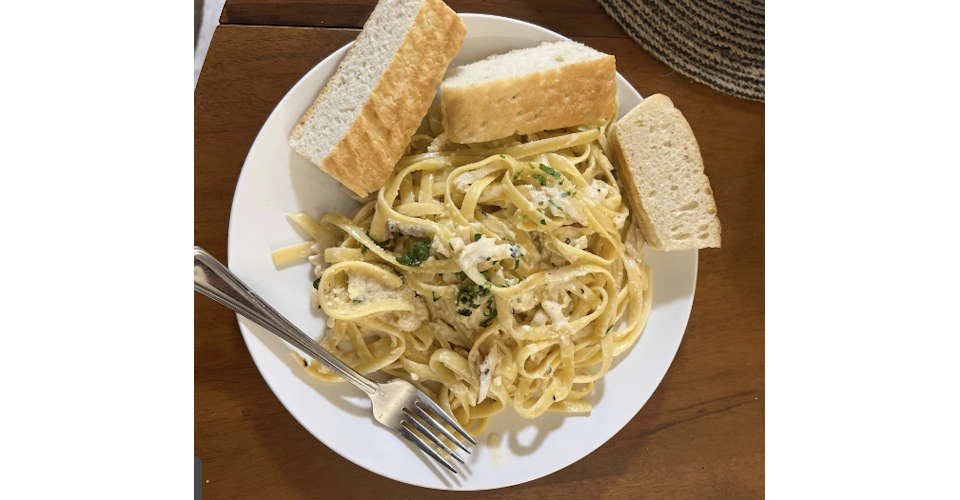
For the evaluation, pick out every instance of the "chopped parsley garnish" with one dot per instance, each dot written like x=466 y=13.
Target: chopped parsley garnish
x=469 y=292
x=564 y=194
x=465 y=312
x=515 y=252
x=316 y=284
x=517 y=265
x=476 y=236
x=490 y=314
x=558 y=207
x=435 y=298
x=543 y=222
x=541 y=179
x=416 y=254
x=549 y=171
x=462 y=276
x=503 y=157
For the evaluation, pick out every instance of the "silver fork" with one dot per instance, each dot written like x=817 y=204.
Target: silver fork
x=397 y=404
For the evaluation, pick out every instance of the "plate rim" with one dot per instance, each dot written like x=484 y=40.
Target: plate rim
x=246 y=334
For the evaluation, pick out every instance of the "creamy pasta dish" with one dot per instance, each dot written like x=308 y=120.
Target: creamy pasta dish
x=494 y=275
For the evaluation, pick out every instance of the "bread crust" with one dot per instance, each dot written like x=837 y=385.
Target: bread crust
x=366 y=155
x=576 y=94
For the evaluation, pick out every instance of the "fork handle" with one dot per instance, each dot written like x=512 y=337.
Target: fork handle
x=212 y=279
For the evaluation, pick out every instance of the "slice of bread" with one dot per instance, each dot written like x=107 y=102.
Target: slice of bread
x=551 y=86
x=364 y=117
x=661 y=170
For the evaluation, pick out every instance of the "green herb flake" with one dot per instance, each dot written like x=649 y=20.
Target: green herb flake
x=476 y=236
x=503 y=157
x=465 y=312
x=565 y=194
x=515 y=252
x=435 y=298
x=316 y=284
x=517 y=264
x=549 y=171
x=462 y=276
x=541 y=179
x=543 y=222
x=416 y=254
x=468 y=293
x=490 y=314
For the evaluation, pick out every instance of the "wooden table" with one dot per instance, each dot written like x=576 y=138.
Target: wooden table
x=699 y=436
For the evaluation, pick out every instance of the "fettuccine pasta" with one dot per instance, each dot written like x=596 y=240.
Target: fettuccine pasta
x=494 y=275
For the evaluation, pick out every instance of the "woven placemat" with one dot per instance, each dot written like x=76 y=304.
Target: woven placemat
x=716 y=42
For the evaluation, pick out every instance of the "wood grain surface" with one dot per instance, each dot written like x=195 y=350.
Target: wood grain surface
x=701 y=435
x=571 y=18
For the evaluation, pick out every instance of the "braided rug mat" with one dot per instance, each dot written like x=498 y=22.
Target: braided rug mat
x=716 y=42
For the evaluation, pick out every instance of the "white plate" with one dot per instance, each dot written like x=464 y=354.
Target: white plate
x=275 y=181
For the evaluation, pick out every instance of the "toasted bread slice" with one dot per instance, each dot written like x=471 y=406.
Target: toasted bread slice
x=551 y=86
x=661 y=170
x=364 y=117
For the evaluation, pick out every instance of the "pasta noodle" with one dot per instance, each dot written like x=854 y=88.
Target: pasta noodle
x=491 y=275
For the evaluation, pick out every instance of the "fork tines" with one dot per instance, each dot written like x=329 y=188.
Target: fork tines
x=419 y=422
